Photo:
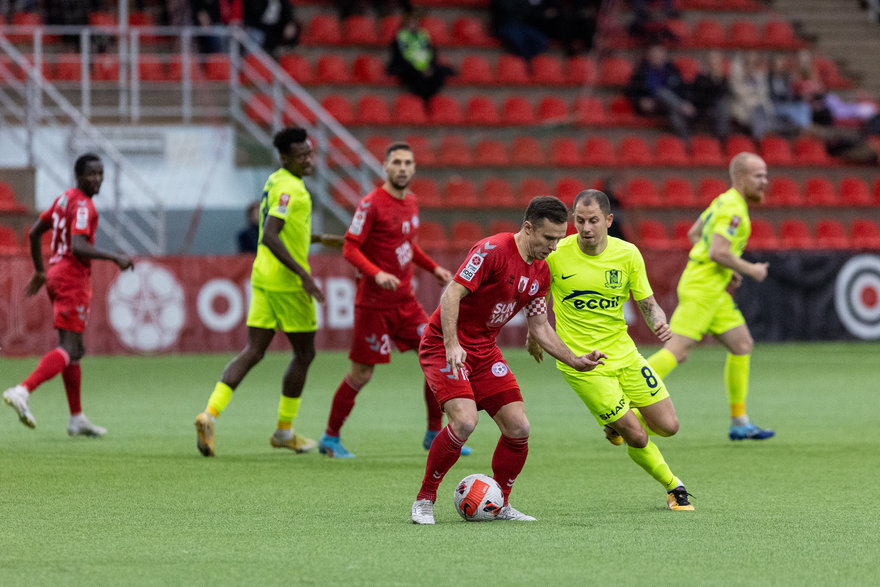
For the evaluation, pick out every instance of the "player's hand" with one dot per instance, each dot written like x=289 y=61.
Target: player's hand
x=333 y=241
x=662 y=331
x=589 y=361
x=534 y=348
x=312 y=288
x=123 y=262
x=36 y=282
x=456 y=358
x=443 y=275
x=736 y=280
x=759 y=271
x=387 y=281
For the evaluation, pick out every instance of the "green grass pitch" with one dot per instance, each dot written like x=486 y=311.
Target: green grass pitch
x=142 y=507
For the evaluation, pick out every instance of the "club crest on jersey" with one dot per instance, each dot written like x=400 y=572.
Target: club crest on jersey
x=612 y=279
x=82 y=218
x=282 y=203
x=534 y=288
x=523 y=283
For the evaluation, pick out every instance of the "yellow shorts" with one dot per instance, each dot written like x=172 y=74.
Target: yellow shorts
x=289 y=311
x=695 y=316
x=609 y=393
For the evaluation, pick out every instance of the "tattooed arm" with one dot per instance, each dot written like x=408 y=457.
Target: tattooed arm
x=655 y=318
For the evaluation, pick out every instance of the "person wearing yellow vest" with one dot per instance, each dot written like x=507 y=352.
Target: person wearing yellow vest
x=414 y=61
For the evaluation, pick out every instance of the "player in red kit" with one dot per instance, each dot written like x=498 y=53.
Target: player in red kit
x=461 y=359
x=73 y=221
x=381 y=244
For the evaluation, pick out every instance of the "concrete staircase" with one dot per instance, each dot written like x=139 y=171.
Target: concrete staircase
x=844 y=32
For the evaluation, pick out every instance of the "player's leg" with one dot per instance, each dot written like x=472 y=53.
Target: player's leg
x=79 y=424
x=688 y=323
x=739 y=344
x=343 y=403
x=303 y=344
x=509 y=458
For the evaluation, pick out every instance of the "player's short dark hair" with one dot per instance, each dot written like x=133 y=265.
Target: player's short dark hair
x=589 y=196
x=79 y=167
x=284 y=138
x=546 y=207
x=397 y=146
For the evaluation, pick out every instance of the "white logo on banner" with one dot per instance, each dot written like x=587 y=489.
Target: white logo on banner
x=857 y=296
x=145 y=307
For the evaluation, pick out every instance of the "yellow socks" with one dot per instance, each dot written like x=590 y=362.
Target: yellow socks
x=736 y=381
x=662 y=362
x=650 y=459
x=219 y=399
x=288 y=408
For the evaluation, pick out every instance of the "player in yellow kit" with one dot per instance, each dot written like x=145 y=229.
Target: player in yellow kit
x=592 y=276
x=704 y=305
x=283 y=294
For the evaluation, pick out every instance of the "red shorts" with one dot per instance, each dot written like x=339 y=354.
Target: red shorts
x=70 y=298
x=486 y=379
x=376 y=328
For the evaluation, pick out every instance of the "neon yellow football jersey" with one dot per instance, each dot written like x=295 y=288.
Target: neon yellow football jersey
x=727 y=215
x=285 y=197
x=589 y=293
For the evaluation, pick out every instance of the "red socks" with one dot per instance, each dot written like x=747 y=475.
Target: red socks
x=435 y=412
x=72 y=376
x=508 y=460
x=343 y=404
x=445 y=451
x=50 y=365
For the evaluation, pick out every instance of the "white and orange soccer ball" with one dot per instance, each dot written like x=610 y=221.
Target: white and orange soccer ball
x=478 y=498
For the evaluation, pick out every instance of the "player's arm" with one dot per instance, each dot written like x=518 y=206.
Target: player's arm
x=333 y=241
x=35 y=239
x=272 y=240
x=421 y=258
x=655 y=318
x=719 y=252
x=450 y=302
x=82 y=248
x=543 y=333
x=695 y=231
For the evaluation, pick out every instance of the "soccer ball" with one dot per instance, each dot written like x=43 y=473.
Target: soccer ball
x=478 y=498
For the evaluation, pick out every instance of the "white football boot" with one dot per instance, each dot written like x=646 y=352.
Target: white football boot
x=508 y=513
x=423 y=511
x=17 y=399
x=79 y=425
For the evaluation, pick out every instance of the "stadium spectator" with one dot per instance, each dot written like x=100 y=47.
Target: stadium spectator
x=271 y=24
x=207 y=13
x=649 y=26
x=709 y=94
x=657 y=87
x=381 y=244
x=73 y=220
x=516 y=23
x=809 y=87
x=414 y=61
x=572 y=23
x=249 y=236
x=283 y=294
x=461 y=360
x=625 y=396
x=751 y=106
x=792 y=113
x=704 y=306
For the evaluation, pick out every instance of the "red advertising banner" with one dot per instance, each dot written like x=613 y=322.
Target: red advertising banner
x=199 y=304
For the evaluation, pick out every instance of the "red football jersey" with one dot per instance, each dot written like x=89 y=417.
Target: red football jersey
x=501 y=284
x=384 y=228
x=71 y=213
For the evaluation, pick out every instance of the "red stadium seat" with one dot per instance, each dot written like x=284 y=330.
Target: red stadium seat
x=8 y=202
x=820 y=192
x=830 y=234
x=776 y=151
x=475 y=69
x=855 y=192
x=688 y=67
x=410 y=110
x=217 y=67
x=359 y=29
x=369 y=69
x=706 y=150
x=779 y=34
x=736 y=144
x=323 y=29
x=471 y=31
x=640 y=192
x=681 y=29
x=589 y=112
x=784 y=191
x=762 y=236
x=151 y=68
x=465 y=233
x=68 y=68
x=339 y=108
x=497 y=193
x=744 y=34
x=614 y=71
x=517 y=110
x=454 y=152
x=552 y=109
x=436 y=29
x=297 y=67
x=422 y=150
x=499 y=226
x=531 y=187
x=634 y=150
x=567 y=188
x=548 y=70
x=670 y=150
x=599 y=151
x=795 y=234
x=296 y=112
x=331 y=69
x=100 y=18
x=462 y=195
x=175 y=68
x=492 y=153
x=865 y=234
x=481 y=111
x=9 y=244
x=680 y=238
x=444 y=110
x=527 y=151
x=709 y=189
x=564 y=153
x=377 y=144
x=340 y=153
x=427 y=193
x=432 y=236
x=582 y=70
x=512 y=70
x=652 y=235
x=678 y=192
x=105 y=68
x=253 y=70
x=621 y=112
x=709 y=33
x=388 y=27
x=373 y=110
x=259 y=108
x=810 y=152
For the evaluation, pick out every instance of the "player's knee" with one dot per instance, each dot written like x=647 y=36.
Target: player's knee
x=361 y=374
x=668 y=428
x=76 y=353
x=463 y=425
x=518 y=429
x=305 y=356
x=253 y=356
x=744 y=346
x=636 y=439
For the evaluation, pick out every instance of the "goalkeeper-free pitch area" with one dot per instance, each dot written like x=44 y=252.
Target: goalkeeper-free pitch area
x=142 y=506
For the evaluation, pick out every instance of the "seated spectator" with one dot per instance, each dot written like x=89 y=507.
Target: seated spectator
x=710 y=93
x=809 y=87
x=751 y=106
x=271 y=24
x=414 y=61
x=572 y=23
x=514 y=24
x=249 y=237
x=656 y=87
x=207 y=13
x=792 y=113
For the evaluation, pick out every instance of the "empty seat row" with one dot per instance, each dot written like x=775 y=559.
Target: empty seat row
x=791 y=233
x=739 y=34
x=67 y=67
x=461 y=234
x=361 y=30
x=8 y=202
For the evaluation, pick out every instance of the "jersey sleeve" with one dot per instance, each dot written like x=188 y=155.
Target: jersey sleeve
x=83 y=219
x=638 y=277
x=727 y=221
x=362 y=222
x=478 y=266
x=284 y=198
